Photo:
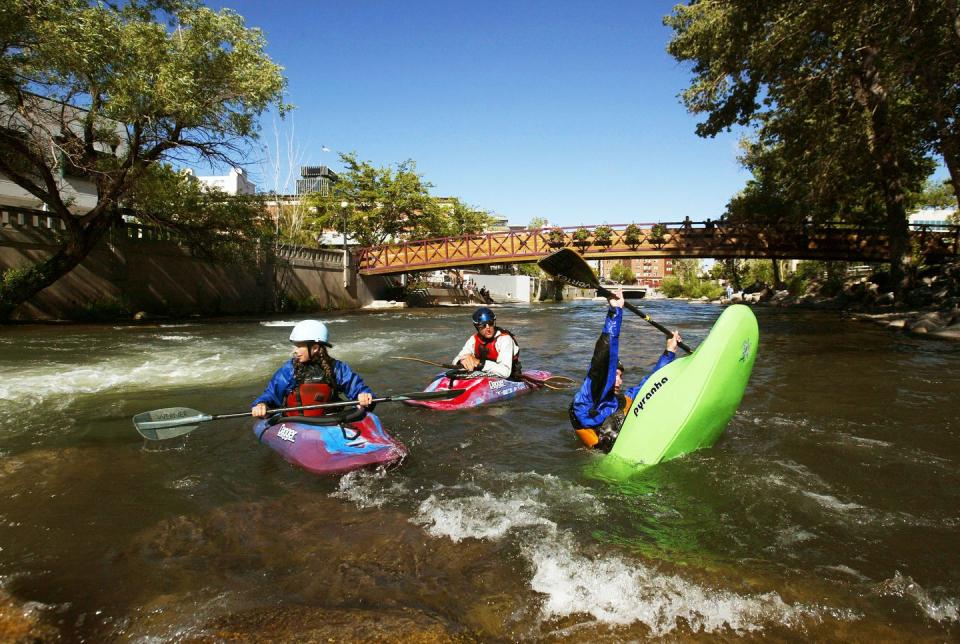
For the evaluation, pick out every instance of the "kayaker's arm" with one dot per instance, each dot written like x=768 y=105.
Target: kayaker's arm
x=276 y=391
x=503 y=365
x=466 y=351
x=668 y=356
x=350 y=383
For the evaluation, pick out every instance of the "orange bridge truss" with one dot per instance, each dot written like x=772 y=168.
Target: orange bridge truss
x=717 y=240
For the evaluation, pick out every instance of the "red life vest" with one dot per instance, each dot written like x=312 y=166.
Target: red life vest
x=484 y=349
x=312 y=392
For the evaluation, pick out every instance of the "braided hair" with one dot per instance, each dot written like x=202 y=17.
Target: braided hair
x=319 y=366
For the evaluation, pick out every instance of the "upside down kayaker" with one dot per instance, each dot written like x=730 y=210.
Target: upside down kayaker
x=598 y=408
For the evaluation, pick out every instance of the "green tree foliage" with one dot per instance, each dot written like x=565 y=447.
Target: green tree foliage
x=935 y=194
x=531 y=270
x=462 y=219
x=105 y=91
x=390 y=203
x=843 y=96
x=622 y=273
x=538 y=222
x=694 y=289
x=218 y=225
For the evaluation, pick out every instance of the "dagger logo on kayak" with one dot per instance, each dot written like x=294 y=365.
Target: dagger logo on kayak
x=746 y=350
x=638 y=407
x=287 y=434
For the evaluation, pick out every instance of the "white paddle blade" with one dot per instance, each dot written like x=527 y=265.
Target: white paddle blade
x=171 y=422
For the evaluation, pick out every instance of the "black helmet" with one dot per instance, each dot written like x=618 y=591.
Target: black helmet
x=483 y=314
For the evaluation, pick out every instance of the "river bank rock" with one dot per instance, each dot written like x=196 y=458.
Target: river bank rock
x=930 y=308
x=22 y=622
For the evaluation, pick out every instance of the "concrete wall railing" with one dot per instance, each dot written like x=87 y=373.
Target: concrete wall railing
x=145 y=268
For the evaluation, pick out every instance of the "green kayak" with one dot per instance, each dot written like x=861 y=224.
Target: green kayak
x=686 y=405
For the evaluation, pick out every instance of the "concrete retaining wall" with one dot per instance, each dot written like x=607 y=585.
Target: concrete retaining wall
x=138 y=268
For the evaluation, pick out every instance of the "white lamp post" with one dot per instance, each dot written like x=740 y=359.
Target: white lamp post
x=346 y=251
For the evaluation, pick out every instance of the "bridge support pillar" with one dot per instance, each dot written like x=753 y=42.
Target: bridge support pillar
x=553 y=291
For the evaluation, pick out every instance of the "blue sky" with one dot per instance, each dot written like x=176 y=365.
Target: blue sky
x=564 y=110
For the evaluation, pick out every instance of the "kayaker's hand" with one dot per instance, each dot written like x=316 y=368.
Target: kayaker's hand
x=259 y=410
x=365 y=400
x=674 y=341
x=617 y=300
x=470 y=363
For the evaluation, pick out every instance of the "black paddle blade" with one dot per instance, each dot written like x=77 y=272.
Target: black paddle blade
x=568 y=266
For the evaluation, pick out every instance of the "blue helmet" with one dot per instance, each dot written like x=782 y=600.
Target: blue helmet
x=483 y=314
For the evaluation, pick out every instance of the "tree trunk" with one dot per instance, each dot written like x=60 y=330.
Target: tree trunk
x=735 y=275
x=882 y=142
x=777 y=277
x=21 y=284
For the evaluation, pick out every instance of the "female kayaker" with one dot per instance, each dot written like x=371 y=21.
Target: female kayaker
x=598 y=408
x=312 y=376
x=491 y=351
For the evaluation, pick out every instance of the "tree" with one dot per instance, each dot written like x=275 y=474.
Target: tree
x=537 y=223
x=622 y=273
x=106 y=91
x=379 y=204
x=686 y=270
x=462 y=219
x=834 y=90
x=279 y=163
x=531 y=270
x=935 y=194
x=215 y=224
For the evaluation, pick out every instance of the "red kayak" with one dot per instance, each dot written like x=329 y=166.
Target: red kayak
x=480 y=390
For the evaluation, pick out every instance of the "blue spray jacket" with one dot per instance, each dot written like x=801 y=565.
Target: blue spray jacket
x=281 y=384
x=596 y=399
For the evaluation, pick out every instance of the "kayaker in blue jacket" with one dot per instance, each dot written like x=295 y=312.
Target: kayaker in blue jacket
x=598 y=408
x=311 y=377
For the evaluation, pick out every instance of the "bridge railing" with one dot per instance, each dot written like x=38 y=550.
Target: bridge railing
x=718 y=239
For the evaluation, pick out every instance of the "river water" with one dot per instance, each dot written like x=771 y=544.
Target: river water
x=829 y=509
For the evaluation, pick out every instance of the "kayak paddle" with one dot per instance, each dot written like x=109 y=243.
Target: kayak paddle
x=161 y=424
x=568 y=266
x=553 y=382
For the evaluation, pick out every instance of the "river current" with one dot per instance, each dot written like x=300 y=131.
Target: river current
x=829 y=509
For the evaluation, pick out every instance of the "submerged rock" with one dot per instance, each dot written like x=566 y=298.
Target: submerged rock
x=309 y=624
x=23 y=622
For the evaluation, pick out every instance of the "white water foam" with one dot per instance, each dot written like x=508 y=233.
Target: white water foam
x=945 y=609
x=370 y=488
x=611 y=589
x=179 y=364
x=832 y=503
x=291 y=323
x=479 y=517
x=527 y=499
x=615 y=591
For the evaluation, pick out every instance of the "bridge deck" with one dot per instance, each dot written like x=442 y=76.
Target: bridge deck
x=719 y=241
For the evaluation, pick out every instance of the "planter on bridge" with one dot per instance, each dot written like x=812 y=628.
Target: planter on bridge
x=581 y=238
x=632 y=236
x=556 y=238
x=603 y=236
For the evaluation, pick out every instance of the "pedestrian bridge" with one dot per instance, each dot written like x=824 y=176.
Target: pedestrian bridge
x=718 y=240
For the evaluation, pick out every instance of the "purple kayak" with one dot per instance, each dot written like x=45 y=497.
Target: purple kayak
x=480 y=390
x=330 y=448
